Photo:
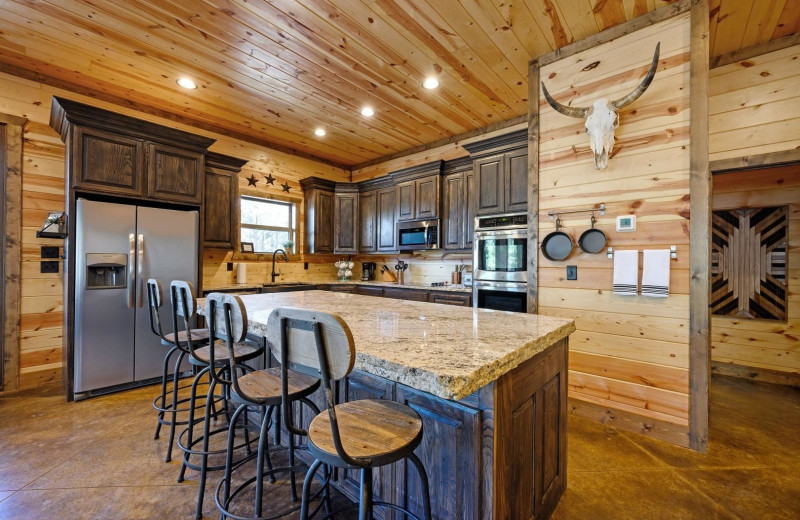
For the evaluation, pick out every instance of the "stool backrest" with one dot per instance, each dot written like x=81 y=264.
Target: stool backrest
x=184 y=304
x=296 y=329
x=155 y=298
x=227 y=321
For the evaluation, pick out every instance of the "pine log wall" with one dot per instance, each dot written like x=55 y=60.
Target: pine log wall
x=630 y=352
x=755 y=109
x=43 y=188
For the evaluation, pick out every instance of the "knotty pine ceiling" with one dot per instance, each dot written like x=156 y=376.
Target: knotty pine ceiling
x=270 y=72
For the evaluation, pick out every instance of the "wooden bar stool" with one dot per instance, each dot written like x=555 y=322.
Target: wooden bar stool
x=212 y=360
x=155 y=299
x=358 y=435
x=261 y=389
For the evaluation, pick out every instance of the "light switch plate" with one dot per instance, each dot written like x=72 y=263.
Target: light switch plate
x=572 y=272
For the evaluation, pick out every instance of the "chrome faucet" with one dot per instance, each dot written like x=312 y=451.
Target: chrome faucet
x=285 y=259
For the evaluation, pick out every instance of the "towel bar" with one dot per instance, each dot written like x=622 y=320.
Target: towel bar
x=673 y=252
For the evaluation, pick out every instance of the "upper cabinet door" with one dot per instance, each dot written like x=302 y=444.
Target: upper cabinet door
x=427 y=193
x=367 y=216
x=387 y=211
x=489 y=185
x=173 y=174
x=323 y=220
x=469 y=208
x=346 y=222
x=516 y=166
x=221 y=215
x=406 y=200
x=107 y=162
x=452 y=211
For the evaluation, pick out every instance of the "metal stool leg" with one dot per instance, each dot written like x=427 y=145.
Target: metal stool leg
x=229 y=454
x=175 y=384
x=365 y=500
x=423 y=479
x=201 y=490
x=307 y=489
x=164 y=375
x=190 y=425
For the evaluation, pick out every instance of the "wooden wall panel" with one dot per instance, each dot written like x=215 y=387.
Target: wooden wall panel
x=41 y=304
x=628 y=353
x=762 y=344
x=754 y=105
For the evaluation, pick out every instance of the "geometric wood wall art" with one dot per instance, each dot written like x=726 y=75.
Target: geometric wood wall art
x=748 y=263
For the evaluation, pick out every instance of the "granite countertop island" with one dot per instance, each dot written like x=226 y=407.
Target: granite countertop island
x=447 y=351
x=490 y=386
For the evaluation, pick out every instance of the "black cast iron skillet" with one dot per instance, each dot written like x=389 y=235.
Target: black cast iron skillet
x=557 y=245
x=592 y=240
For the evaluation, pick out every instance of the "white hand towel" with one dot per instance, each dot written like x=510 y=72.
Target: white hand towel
x=655 y=274
x=626 y=272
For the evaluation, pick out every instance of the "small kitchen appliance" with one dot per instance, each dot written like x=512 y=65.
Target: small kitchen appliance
x=367 y=271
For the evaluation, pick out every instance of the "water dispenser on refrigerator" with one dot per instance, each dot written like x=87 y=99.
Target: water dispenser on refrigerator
x=106 y=271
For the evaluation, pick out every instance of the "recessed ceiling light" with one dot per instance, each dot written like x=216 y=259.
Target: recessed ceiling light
x=367 y=111
x=430 y=83
x=320 y=132
x=187 y=83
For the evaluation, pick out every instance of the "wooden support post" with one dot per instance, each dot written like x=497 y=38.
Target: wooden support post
x=533 y=186
x=699 y=231
x=11 y=229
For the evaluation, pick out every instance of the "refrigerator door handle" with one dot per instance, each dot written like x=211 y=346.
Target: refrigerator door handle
x=140 y=271
x=131 y=278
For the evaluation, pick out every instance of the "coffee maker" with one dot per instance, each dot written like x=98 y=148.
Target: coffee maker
x=367 y=271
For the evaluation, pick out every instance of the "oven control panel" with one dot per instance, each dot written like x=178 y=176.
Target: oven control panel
x=511 y=221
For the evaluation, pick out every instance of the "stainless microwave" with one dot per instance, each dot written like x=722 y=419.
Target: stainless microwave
x=416 y=235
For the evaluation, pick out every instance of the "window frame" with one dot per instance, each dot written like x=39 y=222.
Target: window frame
x=292 y=229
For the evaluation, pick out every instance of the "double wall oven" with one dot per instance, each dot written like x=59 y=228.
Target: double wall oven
x=500 y=262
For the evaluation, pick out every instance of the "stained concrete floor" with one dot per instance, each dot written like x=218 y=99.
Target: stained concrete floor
x=97 y=459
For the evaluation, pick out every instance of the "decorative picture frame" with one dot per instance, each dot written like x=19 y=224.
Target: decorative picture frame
x=247 y=247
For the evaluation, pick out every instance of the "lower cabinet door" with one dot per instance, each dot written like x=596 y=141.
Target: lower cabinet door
x=360 y=385
x=450 y=453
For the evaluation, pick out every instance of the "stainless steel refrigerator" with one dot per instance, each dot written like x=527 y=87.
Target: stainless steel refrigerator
x=118 y=247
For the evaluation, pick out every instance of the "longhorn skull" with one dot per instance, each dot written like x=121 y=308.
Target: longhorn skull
x=602 y=118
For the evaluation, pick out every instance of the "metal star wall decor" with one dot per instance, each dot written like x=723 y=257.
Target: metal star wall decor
x=252 y=181
x=285 y=187
x=270 y=179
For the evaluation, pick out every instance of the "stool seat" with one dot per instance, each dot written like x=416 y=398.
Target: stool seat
x=266 y=384
x=242 y=351
x=381 y=431
x=198 y=336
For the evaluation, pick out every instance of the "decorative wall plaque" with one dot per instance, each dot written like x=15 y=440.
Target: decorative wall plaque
x=748 y=263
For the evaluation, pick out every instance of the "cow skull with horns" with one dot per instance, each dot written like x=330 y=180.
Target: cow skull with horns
x=602 y=118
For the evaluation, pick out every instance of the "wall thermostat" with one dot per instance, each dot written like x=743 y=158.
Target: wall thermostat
x=626 y=223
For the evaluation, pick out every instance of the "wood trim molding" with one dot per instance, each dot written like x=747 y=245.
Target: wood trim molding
x=11 y=183
x=750 y=162
x=657 y=429
x=443 y=142
x=699 y=231
x=755 y=50
x=763 y=375
x=612 y=33
x=533 y=186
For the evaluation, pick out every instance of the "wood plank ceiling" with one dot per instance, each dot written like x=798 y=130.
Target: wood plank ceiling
x=270 y=72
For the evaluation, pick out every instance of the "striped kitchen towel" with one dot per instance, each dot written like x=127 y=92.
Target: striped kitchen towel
x=626 y=272
x=655 y=273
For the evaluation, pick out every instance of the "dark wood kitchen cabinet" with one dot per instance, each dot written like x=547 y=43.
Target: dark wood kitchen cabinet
x=418 y=191
x=173 y=174
x=115 y=154
x=368 y=221
x=470 y=208
x=368 y=290
x=221 y=208
x=345 y=218
x=318 y=195
x=414 y=295
x=455 y=196
x=387 y=216
x=501 y=173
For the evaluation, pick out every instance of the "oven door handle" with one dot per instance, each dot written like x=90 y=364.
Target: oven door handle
x=523 y=287
x=509 y=233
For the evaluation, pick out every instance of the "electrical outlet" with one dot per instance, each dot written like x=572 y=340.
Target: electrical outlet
x=48 y=267
x=572 y=272
x=230 y=266
x=49 y=251
x=305 y=266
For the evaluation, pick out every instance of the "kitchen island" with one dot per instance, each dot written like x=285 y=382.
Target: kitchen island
x=490 y=386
